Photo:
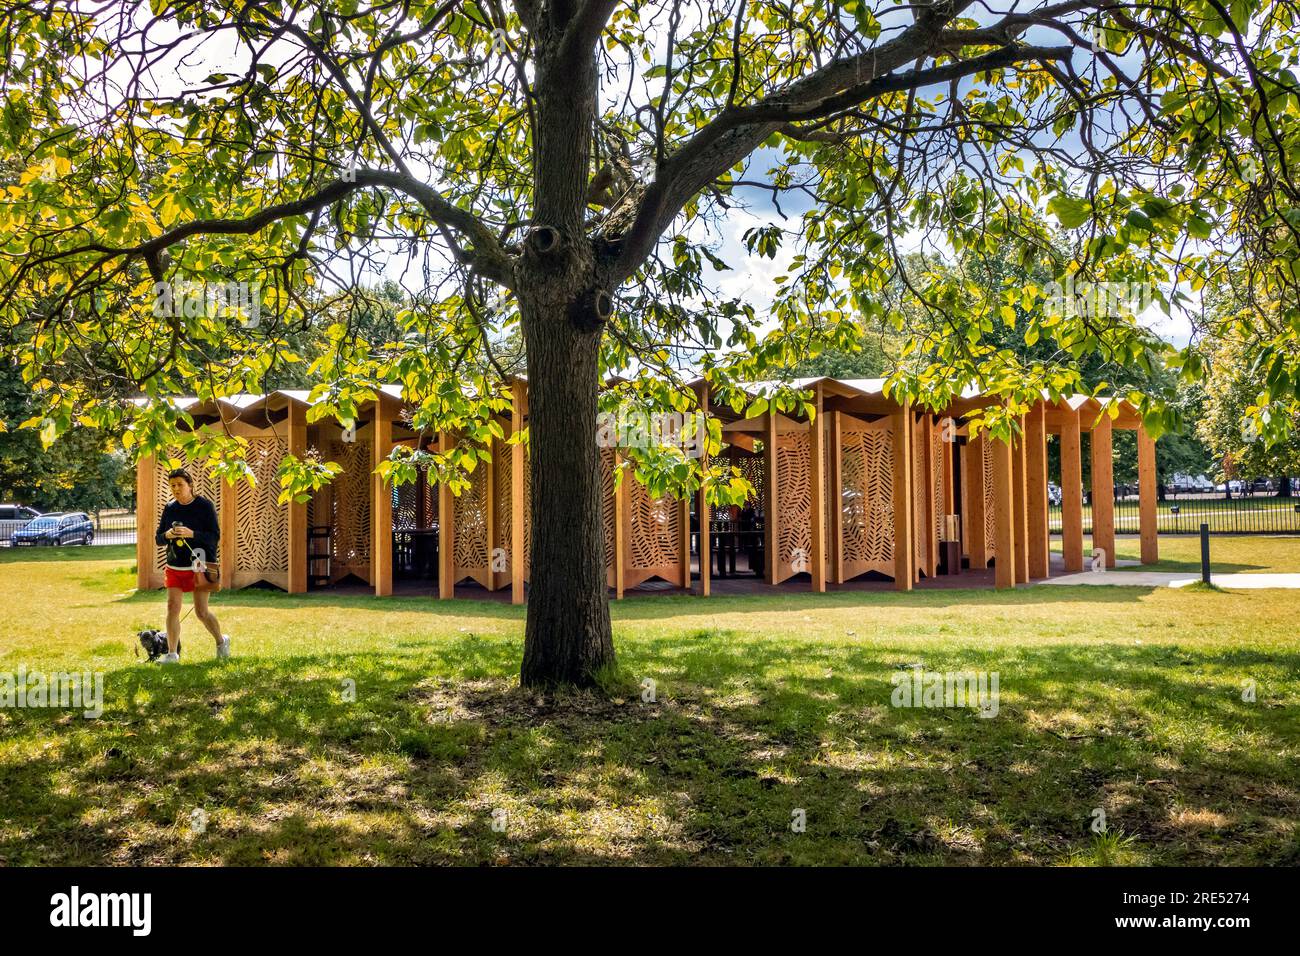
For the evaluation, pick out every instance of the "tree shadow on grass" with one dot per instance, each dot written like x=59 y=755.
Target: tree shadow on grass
x=435 y=745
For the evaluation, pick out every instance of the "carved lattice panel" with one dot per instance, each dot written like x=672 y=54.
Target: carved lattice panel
x=204 y=484
x=348 y=504
x=655 y=536
x=261 y=522
x=501 y=453
x=986 y=481
x=608 y=508
x=867 y=498
x=793 y=484
x=470 y=514
x=936 y=479
x=528 y=515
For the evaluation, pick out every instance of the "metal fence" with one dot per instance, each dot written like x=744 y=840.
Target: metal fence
x=114 y=527
x=1184 y=513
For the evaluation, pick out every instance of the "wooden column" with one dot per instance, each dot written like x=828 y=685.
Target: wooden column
x=1103 y=489
x=1004 y=521
x=297 y=518
x=517 y=464
x=1071 y=490
x=817 y=478
x=381 y=501
x=227 y=519
x=684 y=509
x=1036 y=489
x=770 y=517
x=977 y=518
x=621 y=521
x=446 y=530
x=836 y=499
x=904 y=549
x=1020 y=490
x=1147 y=496
x=701 y=504
x=146 y=520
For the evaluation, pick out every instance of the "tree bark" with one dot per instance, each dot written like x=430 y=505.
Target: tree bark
x=1283 y=487
x=567 y=637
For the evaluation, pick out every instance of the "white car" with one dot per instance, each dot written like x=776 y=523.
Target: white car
x=1053 y=493
x=13 y=517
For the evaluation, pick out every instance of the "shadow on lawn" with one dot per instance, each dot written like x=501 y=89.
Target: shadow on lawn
x=744 y=733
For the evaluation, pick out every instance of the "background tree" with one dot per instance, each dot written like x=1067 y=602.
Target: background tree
x=565 y=166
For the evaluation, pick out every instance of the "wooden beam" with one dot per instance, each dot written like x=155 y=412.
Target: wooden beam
x=146 y=521
x=1020 y=491
x=817 y=496
x=517 y=464
x=1036 y=489
x=1147 y=496
x=297 y=518
x=1103 y=489
x=1004 y=522
x=701 y=504
x=1071 y=491
x=446 y=530
x=684 y=510
x=771 y=518
x=836 y=503
x=977 y=518
x=904 y=560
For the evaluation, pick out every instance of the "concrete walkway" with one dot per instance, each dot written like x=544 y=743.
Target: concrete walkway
x=1169 y=579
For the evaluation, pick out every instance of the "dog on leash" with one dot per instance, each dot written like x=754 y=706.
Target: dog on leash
x=155 y=644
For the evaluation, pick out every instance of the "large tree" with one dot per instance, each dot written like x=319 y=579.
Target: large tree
x=569 y=166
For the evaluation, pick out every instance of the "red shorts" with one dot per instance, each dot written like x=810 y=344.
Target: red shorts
x=184 y=580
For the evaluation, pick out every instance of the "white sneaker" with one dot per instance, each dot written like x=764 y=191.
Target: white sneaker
x=223 y=648
x=172 y=658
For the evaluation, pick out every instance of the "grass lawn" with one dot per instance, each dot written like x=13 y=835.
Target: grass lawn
x=1125 y=699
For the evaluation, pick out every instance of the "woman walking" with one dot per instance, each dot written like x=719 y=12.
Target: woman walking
x=189 y=529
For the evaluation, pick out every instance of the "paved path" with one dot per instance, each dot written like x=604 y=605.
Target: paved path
x=1168 y=579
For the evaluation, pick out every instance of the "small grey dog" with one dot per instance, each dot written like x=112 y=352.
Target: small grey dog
x=155 y=644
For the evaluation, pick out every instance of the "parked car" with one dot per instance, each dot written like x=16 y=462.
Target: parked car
x=13 y=517
x=75 y=527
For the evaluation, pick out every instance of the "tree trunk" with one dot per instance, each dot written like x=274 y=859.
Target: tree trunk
x=567 y=638
x=1283 y=487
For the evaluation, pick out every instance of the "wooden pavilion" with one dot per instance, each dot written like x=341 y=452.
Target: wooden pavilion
x=868 y=487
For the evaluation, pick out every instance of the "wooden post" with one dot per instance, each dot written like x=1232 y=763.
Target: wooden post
x=621 y=521
x=770 y=516
x=146 y=521
x=228 y=520
x=977 y=518
x=516 y=543
x=817 y=496
x=702 y=506
x=381 y=502
x=1071 y=490
x=446 y=530
x=1004 y=522
x=928 y=520
x=836 y=502
x=1103 y=489
x=684 y=509
x=1020 y=491
x=297 y=517
x=904 y=560
x=1036 y=489
x=1147 y=496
